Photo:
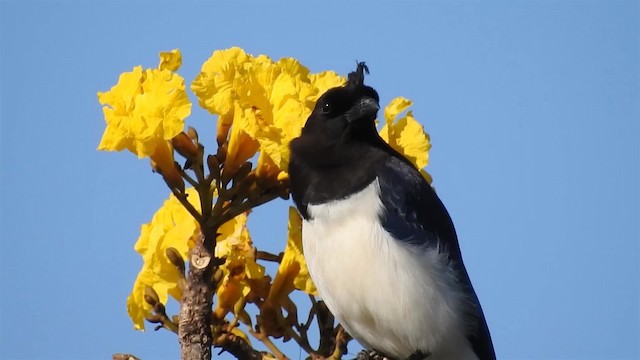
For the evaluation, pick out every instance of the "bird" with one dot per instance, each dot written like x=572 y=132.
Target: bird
x=379 y=244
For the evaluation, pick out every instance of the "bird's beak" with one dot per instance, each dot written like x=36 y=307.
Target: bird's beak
x=366 y=108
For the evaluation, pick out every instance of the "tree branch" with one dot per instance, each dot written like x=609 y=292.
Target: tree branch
x=237 y=347
x=194 y=330
x=267 y=256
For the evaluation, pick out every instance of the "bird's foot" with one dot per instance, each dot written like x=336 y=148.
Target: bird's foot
x=373 y=355
x=369 y=355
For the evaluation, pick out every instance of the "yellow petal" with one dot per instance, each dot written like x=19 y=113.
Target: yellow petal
x=412 y=140
x=267 y=170
x=324 y=81
x=242 y=273
x=162 y=161
x=215 y=84
x=224 y=125
x=293 y=67
x=395 y=108
x=230 y=293
x=406 y=135
x=237 y=332
x=242 y=147
x=170 y=60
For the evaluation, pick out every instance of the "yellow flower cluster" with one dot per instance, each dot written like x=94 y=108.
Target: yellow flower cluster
x=242 y=275
x=244 y=280
x=145 y=108
x=171 y=227
x=261 y=106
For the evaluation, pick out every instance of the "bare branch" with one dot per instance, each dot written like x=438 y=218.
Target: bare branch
x=237 y=347
x=267 y=256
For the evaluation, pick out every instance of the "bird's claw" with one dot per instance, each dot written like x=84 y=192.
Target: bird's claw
x=369 y=355
x=373 y=355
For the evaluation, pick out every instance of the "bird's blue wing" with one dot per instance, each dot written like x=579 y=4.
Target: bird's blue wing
x=414 y=214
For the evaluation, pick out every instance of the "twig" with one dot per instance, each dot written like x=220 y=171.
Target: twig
x=300 y=339
x=264 y=338
x=185 y=202
x=217 y=207
x=229 y=213
x=312 y=313
x=238 y=347
x=341 y=342
x=165 y=321
x=327 y=331
x=267 y=256
x=187 y=177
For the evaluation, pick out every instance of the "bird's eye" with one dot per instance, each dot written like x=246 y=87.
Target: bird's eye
x=326 y=107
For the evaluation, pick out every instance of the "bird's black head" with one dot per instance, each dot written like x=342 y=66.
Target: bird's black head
x=345 y=107
x=342 y=115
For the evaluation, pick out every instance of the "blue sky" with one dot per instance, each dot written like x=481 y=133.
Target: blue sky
x=533 y=110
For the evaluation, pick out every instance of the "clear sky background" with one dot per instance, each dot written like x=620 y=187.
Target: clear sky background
x=533 y=110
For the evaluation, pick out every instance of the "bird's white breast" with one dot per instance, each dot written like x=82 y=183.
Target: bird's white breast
x=388 y=295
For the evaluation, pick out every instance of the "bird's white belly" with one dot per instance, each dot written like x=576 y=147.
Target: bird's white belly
x=388 y=295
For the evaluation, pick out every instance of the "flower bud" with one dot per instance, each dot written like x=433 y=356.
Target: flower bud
x=193 y=134
x=218 y=275
x=173 y=179
x=175 y=258
x=150 y=296
x=162 y=162
x=184 y=146
x=160 y=309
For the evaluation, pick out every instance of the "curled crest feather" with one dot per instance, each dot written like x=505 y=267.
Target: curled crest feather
x=355 y=79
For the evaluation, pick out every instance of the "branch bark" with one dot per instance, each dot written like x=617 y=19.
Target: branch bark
x=194 y=330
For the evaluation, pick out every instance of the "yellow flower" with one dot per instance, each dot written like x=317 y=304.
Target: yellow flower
x=262 y=103
x=242 y=147
x=144 y=109
x=241 y=271
x=171 y=226
x=406 y=135
x=293 y=272
x=219 y=78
